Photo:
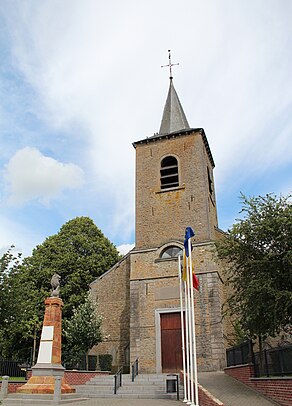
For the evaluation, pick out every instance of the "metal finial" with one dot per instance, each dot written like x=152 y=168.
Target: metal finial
x=169 y=65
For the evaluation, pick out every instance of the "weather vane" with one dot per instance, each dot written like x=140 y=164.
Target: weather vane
x=170 y=65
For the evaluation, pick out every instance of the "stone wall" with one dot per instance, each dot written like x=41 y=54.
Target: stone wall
x=162 y=215
x=134 y=293
x=112 y=290
x=154 y=289
x=143 y=285
x=209 y=326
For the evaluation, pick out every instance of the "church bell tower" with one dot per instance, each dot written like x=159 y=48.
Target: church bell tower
x=174 y=180
x=174 y=189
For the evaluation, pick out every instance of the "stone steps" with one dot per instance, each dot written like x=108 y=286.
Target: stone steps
x=138 y=395
x=150 y=386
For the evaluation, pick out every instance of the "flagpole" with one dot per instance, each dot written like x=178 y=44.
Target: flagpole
x=182 y=327
x=193 y=326
x=187 y=341
x=191 y=336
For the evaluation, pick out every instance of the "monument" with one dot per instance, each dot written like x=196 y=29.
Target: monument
x=48 y=365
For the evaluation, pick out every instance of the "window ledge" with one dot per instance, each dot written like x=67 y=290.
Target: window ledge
x=166 y=259
x=171 y=189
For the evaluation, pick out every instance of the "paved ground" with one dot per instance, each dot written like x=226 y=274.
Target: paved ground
x=128 y=402
x=223 y=387
x=116 y=402
x=230 y=391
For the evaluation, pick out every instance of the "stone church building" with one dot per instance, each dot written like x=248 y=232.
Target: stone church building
x=139 y=296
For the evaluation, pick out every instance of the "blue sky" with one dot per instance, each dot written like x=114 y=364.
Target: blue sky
x=80 y=81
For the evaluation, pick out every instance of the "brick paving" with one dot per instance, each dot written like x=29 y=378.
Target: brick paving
x=230 y=391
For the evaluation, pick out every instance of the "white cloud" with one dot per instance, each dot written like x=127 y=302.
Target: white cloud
x=237 y=64
x=125 y=248
x=22 y=237
x=107 y=87
x=31 y=175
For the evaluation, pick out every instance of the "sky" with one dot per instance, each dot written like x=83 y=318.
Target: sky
x=80 y=81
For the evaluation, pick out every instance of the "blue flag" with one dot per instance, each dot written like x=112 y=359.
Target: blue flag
x=189 y=234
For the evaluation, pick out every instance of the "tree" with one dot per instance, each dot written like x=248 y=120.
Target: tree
x=82 y=331
x=257 y=251
x=21 y=309
x=15 y=317
x=79 y=253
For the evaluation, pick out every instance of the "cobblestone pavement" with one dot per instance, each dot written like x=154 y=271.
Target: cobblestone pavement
x=230 y=391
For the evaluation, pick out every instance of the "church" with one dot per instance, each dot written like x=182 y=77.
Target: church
x=139 y=296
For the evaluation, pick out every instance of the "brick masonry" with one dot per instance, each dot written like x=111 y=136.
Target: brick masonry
x=277 y=389
x=71 y=377
x=53 y=317
x=81 y=377
x=205 y=397
x=12 y=386
x=42 y=380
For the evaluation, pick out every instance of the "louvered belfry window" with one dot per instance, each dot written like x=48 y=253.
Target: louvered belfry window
x=169 y=173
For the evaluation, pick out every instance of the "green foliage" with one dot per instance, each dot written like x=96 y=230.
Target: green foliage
x=79 y=253
x=19 y=314
x=82 y=331
x=257 y=251
x=240 y=334
x=105 y=362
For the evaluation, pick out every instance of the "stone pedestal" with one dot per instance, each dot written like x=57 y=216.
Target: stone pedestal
x=48 y=364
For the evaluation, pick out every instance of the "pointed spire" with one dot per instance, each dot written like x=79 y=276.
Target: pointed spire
x=173 y=118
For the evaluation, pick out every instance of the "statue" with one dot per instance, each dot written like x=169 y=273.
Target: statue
x=55 y=283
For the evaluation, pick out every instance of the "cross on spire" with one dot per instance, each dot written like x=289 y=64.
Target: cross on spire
x=170 y=65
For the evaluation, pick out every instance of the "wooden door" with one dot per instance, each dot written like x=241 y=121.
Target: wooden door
x=171 y=344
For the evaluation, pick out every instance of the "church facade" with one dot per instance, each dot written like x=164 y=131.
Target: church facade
x=139 y=296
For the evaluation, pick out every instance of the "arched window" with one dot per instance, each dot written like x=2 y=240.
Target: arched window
x=171 y=252
x=169 y=172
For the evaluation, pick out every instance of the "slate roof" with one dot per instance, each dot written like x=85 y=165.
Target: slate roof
x=174 y=123
x=173 y=118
